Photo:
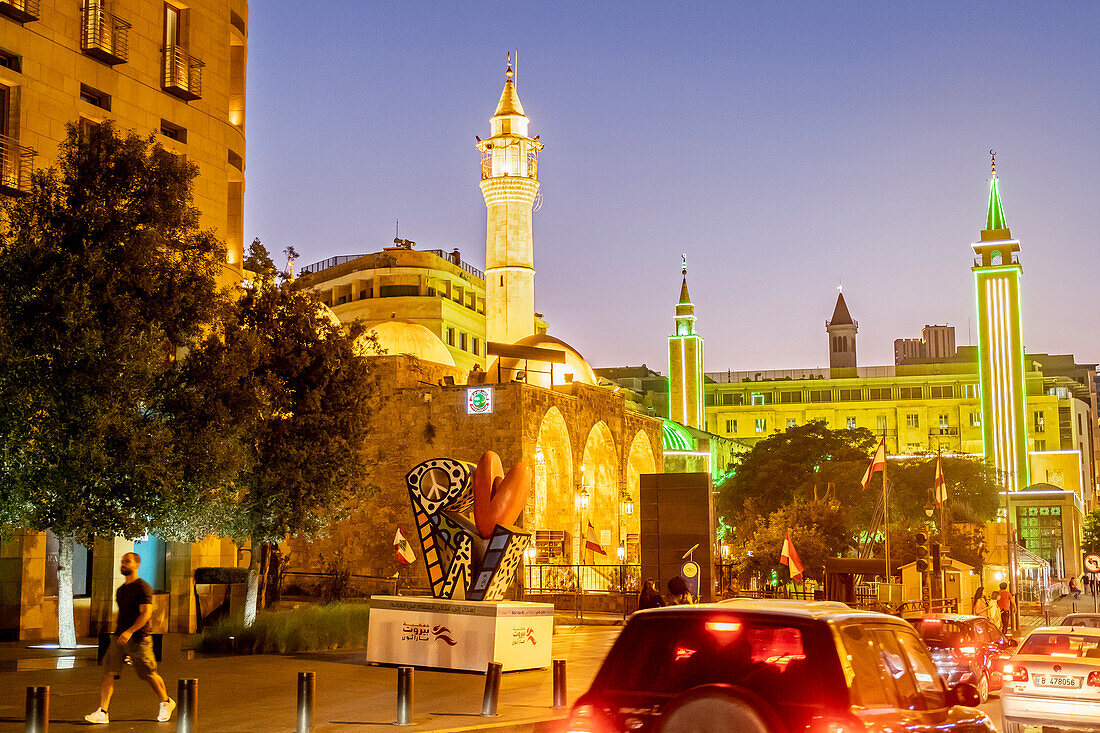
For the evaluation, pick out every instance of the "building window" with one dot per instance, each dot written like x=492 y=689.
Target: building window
x=821 y=395
x=234 y=159
x=95 y=97
x=850 y=423
x=790 y=397
x=450 y=337
x=1080 y=429
x=850 y=395
x=878 y=393
x=12 y=61
x=1055 y=477
x=759 y=398
x=1040 y=445
x=761 y=424
x=971 y=391
x=173 y=132
x=462 y=340
x=1040 y=423
x=944 y=420
x=975 y=419
x=731 y=426
x=791 y=422
x=912 y=420
x=880 y=424
x=910 y=393
x=944 y=392
x=476 y=345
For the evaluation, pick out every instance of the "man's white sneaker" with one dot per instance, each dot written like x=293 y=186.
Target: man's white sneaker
x=165 y=712
x=99 y=716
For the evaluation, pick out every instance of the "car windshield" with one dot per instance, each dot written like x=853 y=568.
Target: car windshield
x=1087 y=621
x=1062 y=645
x=669 y=654
x=940 y=633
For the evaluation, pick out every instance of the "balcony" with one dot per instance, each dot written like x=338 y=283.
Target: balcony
x=21 y=11
x=182 y=74
x=104 y=36
x=944 y=431
x=16 y=164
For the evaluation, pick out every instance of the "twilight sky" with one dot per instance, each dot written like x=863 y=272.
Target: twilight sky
x=785 y=148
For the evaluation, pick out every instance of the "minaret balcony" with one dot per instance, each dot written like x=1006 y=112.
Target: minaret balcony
x=104 y=36
x=16 y=164
x=21 y=11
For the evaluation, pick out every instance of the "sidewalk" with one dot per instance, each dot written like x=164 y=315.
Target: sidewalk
x=258 y=693
x=1058 y=609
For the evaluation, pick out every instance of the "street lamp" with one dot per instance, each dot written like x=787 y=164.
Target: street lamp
x=531 y=553
x=621 y=552
x=628 y=503
x=929 y=510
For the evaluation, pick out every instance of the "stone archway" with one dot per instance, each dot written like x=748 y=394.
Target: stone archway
x=599 y=476
x=639 y=460
x=550 y=505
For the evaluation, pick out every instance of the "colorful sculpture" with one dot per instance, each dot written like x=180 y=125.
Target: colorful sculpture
x=469 y=557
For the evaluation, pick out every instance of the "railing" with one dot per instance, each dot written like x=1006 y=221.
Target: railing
x=943 y=431
x=316 y=267
x=511 y=164
x=104 y=36
x=182 y=73
x=563 y=579
x=16 y=164
x=22 y=11
x=465 y=266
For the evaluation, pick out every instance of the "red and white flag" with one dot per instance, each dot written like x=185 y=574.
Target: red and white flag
x=790 y=558
x=592 y=542
x=940 y=487
x=878 y=463
x=403 y=549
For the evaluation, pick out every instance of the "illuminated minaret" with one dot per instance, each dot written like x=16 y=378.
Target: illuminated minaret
x=685 y=364
x=997 y=274
x=509 y=183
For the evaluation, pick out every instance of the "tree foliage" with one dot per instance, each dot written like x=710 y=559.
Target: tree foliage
x=1090 y=530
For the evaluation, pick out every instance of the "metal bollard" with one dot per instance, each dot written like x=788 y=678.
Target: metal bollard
x=559 y=683
x=187 y=705
x=307 y=685
x=404 y=696
x=492 y=690
x=38 y=710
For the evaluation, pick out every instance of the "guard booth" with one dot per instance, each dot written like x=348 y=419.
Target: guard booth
x=861 y=582
x=959 y=583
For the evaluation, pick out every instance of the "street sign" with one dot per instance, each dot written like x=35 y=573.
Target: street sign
x=1092 y=563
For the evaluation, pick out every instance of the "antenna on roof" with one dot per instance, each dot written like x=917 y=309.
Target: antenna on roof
x=396 y=229
x=515 y=69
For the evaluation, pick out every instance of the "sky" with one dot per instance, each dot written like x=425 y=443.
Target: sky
x=786 y=148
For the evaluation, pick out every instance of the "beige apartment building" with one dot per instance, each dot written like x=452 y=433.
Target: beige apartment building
x=173 y=69
x=176 y=69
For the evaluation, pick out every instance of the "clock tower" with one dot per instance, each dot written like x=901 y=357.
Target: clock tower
x=509 y=183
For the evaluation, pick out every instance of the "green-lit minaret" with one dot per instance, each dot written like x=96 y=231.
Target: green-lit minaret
x=997 y=274
x=685 y=364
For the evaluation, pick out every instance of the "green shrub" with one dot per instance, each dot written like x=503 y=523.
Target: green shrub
x=221 y=575
x=306 y=628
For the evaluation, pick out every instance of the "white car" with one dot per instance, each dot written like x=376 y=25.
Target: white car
x=1053 y=680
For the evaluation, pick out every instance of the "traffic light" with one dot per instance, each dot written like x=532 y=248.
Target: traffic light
x=935 y=557
x=922 y=551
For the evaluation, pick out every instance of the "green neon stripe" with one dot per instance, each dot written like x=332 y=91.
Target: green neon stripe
x=675 y=437
x=995 y=218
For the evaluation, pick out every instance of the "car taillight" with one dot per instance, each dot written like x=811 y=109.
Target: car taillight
x=1094 y=679
x=968 y=651
x=585 y=719
x=1019 y=674
x=837 y=725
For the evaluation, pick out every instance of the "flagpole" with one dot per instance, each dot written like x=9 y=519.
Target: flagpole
x=885 y=511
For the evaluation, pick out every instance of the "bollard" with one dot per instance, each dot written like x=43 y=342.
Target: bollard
x=38 y=710
x=492 y=690
x=404 y=696
x=307 y=685
x=559 y=683
x=187 y=702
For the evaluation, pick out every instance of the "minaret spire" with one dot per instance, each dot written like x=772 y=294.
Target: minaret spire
x=995 y=216
x=685 y=362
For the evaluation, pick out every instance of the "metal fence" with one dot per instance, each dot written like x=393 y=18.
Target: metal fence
x=561 y=579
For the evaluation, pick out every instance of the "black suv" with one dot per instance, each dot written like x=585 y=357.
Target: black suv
x=776 y=666
x=966 y=649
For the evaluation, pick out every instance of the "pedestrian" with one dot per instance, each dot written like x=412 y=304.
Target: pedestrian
x=132 y=638
x=979 y=606
x=650 y=597
x=1074 y=589
x=994 y=612
x=678 y=594
x=1005 y=602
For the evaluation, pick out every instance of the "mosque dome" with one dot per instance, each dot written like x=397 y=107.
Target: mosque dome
x=326 y=313
x=575 y=368
x=405 y=337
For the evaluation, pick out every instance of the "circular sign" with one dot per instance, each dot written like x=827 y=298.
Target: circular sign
x=1092 y=563
x=690 y=570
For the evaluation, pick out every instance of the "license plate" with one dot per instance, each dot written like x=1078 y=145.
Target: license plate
x=1050 y=680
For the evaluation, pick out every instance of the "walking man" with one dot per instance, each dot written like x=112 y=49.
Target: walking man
x=131 y=638
x=1005 y=602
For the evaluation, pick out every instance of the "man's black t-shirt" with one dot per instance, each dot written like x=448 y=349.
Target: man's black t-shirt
x=130 y=597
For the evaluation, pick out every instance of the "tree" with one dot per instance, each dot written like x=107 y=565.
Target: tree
x=819 y=529
x=1090 y=541
x=104 y=274
x=289 y=394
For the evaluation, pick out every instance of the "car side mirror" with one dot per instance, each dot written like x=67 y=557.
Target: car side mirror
x=964 y=693
x=1011 y=643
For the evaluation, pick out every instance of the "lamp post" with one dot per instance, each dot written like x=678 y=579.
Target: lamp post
x=581 y=504
x=531 y=554
x=621 y=552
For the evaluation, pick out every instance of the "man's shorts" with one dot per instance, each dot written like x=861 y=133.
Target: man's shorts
x=139 y=651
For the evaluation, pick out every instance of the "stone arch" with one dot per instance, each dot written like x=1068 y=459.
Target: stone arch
x=550 y=505
x=599 y=476
x=639 y=460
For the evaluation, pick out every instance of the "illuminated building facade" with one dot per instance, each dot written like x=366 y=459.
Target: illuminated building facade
x=509 y=184
x=177 y=69
x=685 y=364
x=997 y=274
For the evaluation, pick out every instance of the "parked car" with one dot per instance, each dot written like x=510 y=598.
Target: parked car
x=1053 y=680
x=1089 y=620
x=774 y=666
x=966 y=649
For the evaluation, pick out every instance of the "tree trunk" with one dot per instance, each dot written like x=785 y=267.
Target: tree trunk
x=265 y=556
x=66 y=625
x=253 y=585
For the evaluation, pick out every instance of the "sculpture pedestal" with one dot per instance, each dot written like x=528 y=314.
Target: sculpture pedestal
x=462 y=635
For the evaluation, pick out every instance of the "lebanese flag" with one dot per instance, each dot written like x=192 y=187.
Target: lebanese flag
x=403 y=549
x=790 y=558
x=592 y=542
x=940 y=487
x=878 y=463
